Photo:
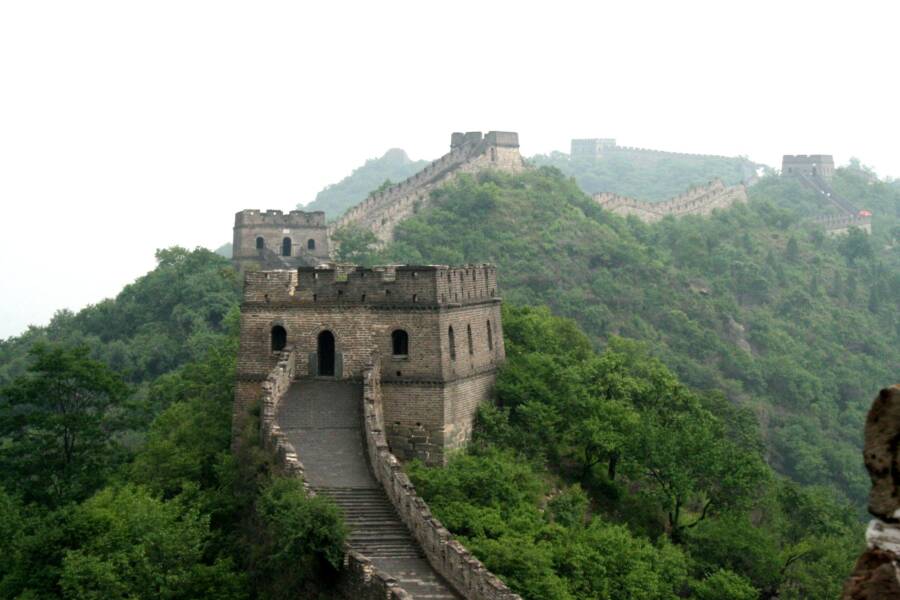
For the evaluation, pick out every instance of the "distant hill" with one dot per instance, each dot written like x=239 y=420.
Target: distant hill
x=647 y=174
x=395 y=166
x=224 y=250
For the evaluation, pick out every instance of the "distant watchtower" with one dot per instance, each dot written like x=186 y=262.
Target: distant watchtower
x=592 y=148
x=274 y=240
x=434 y=331
x=809 y=165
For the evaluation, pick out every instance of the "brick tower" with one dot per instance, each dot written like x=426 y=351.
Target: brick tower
x=435 y=332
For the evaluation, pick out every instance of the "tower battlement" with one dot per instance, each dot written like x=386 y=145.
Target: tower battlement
x=295 y=218
x=424 y=286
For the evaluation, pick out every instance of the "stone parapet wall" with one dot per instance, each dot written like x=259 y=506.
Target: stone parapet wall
x=447 y=556
x=361 y=580
x=666 y=152
x=699 y=200
x=841 y=224
x=274 y=389
x=381 y=212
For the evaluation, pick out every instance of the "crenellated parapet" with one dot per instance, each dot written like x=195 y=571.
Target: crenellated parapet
x=410 y=285
x=699 y=200
x=835 y=225
x=470 y=152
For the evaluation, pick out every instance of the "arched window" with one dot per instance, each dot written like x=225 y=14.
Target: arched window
x=279 y=338
x=260 y=243
x=400 y=343
x=469 y=334
x=325 y=353
x=490 y=336
x=310 y=244
x=286 y=247
x=452 y=339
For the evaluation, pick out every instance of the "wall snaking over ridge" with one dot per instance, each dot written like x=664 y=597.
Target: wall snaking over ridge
x=700 y=200
x=380 y=213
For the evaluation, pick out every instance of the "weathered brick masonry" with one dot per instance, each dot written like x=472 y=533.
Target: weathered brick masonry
x=433 y=379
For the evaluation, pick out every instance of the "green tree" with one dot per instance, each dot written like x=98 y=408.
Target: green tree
x=138 y=546
x=301 y=537
x=725 y=585
x=60 y=421
x=355 y=245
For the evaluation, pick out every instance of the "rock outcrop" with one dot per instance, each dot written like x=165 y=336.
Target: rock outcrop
x=876 y=575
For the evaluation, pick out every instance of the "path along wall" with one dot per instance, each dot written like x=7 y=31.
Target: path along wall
x=360 y=579
x=448 y=557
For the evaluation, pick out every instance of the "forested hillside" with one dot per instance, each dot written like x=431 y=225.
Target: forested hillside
x=602 y=476
x=800 y=328
x=394 y=166
x=116 y=475
x=647 y=175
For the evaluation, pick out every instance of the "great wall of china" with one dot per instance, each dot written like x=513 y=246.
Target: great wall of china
x=380 y=213
x=699 y=200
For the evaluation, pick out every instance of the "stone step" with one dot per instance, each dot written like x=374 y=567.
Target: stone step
x=321 y=420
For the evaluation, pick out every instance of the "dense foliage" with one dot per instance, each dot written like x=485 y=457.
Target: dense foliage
x=394 y=166
x=111 y=489
x=647 y=175
x=603 y=477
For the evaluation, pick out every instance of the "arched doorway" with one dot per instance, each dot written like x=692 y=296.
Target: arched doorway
x=260 y=243
x=279 y=338
x=286 y=247
x=325 y=354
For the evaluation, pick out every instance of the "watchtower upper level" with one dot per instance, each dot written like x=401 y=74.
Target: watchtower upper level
x=811 y=165
x=297 y=237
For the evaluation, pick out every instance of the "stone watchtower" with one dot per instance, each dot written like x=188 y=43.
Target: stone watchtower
x=274 y=240
x=434 y=332
x=810 y=165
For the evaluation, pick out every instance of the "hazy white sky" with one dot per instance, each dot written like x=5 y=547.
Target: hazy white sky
x=130 y=126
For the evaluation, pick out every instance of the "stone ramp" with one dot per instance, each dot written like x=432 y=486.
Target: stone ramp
x=322 y=419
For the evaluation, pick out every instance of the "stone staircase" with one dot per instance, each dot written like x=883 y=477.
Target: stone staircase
x=322 y=419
